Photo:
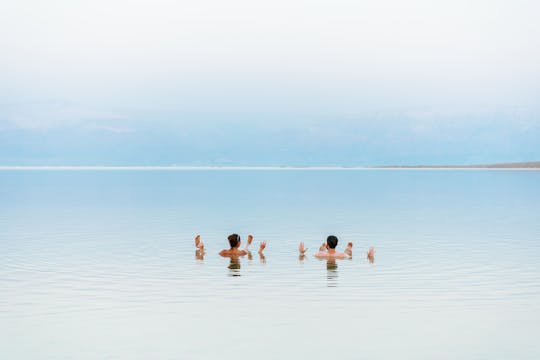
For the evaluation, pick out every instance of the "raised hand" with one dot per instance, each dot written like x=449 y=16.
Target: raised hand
x=199 y=254
x=262 y=246
x=249 y=240
x=348 y=250
x=371 y=253
x=302 y=249
x=323 y=247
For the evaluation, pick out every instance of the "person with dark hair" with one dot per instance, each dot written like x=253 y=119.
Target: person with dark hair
x=328 y=249
x=234 y=242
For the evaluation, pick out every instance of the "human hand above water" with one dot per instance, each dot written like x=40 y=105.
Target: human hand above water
x=302 y=249
x=249 y=240
x=262 y=246
x=348 y=250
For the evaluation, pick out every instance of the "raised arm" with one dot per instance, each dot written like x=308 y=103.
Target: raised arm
x=199 y=253
x=348 y=250
x=371 y=255
x=302 y=249
x=249 y=241
x=262 y=246
x=198 y=243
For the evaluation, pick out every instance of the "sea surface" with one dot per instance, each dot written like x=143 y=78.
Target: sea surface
x=102 y=265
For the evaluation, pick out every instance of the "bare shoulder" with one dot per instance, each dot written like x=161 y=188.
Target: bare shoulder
x=324 y=254
x=225 y=252
x=321 y=254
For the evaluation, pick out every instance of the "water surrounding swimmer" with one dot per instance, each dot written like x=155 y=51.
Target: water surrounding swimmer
x=102 y=264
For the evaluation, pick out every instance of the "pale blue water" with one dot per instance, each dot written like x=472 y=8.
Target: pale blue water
x=101 y=265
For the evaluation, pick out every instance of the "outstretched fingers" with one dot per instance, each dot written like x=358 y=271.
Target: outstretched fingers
x=262 y=246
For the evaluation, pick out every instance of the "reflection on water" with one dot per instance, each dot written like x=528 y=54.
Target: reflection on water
x=235 y=262
x=332 y=272
x=114 y=251
x=234 y=266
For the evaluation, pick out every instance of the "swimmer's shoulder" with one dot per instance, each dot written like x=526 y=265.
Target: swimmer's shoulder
x=228 y=252
x=321 y=254
x=324 y=254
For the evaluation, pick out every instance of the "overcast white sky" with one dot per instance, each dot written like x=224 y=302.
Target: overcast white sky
x=117 y=58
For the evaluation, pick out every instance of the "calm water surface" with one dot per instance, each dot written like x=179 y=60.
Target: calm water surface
x=101 y=265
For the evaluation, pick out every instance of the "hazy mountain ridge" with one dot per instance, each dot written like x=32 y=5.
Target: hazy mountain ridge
x=268 y=140
x=514 y=165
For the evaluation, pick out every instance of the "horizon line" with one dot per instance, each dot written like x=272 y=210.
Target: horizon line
x=251 y=168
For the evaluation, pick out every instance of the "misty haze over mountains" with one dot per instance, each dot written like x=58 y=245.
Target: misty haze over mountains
x=243 y=83
x=58 y=134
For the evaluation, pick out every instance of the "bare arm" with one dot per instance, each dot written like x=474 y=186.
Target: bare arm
x=224 y=252
x=199 y=244
x=371 y=255
x=200 y=252
x=302 y=249
x=249 y=241
x=348 y=250
x=262 y=246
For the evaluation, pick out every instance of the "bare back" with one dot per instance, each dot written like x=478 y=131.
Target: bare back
x=232 y=252
x=334 y=255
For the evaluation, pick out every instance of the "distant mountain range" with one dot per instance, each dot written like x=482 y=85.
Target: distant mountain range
x=516 y=165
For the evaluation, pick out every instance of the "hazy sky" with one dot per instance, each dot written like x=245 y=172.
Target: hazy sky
x=249 y=82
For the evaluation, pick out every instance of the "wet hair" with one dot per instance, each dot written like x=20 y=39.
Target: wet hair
x=332 y=241
x=234 y=240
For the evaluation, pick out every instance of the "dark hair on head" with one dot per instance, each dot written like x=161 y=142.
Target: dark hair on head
x=234 y=240
x=331 y=241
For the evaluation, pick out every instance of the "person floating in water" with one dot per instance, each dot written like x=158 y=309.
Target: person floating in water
x=234 y=253
x=234 y=242
x=328 y=249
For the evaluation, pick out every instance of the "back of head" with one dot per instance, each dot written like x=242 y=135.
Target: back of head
x=332 y=241
x=234 y=240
